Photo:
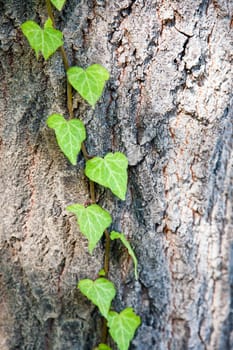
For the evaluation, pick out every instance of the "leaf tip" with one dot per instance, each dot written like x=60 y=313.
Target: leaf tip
x=48 y=23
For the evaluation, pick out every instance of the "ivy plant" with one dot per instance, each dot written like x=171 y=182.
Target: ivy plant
x=92 y=220
x=121 y=236
x=101 y=292
x=69 y=134
x=46 y=40
x=122 y=326
x=109 y=171
x=88 y=82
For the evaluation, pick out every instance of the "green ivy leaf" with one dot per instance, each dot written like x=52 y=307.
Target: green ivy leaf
x=101 y=292
x=102 y=273
x=121 y=236
x=103 y=347
x=110 y=171
x=90 y=82
x=122 y=326
x=70 y=135
x=46 y=40
x=92 y=222
x=58 y=4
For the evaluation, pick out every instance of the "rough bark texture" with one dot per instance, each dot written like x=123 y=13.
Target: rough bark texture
x=168 y=106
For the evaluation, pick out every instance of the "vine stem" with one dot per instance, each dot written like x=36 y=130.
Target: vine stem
x=86 y=157
x=106 y=270
x=107 y=252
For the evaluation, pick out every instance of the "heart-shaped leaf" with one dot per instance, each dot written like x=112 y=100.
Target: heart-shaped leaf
x=101 y=292
x=110 y=171
x=103 y=347
x=58 y=4
x=121 y=236
x=70 y=135
x=46 y=40
x=88 y=82
x=122 y=326
x=92 y=222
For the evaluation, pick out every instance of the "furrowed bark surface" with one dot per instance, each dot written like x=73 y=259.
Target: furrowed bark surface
x=168 y=107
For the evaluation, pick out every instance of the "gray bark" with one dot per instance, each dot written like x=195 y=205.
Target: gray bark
x=168 y=107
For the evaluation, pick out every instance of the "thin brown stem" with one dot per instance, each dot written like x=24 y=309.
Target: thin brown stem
x=92 y=191
x=107 y=253
x=64 y=58
x=106 y=269
x=84 y=150
x=70 y=100
x=104 y=334
x=69 y=87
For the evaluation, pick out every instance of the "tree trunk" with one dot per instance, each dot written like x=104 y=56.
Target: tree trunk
x=168 y=107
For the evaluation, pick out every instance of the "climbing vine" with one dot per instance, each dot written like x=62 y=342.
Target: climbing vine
x=110 y=172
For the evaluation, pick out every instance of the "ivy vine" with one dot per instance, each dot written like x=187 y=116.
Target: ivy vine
x=110 y=172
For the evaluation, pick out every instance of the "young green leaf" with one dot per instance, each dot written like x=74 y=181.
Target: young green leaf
x=110 y=171
x=90 y=82
x=122 y=326
x=92 y=222
x=121 y=236
x=102 y=273
x=103 y=347
x=58 y=4
x=101 y=292
x=69 y=134
x=46 y=40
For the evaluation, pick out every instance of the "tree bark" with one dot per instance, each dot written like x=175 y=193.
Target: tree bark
x=168 y=107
